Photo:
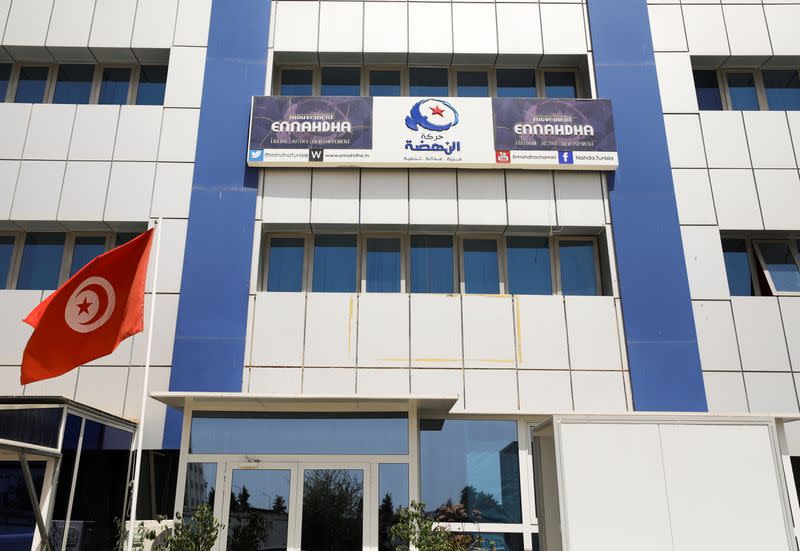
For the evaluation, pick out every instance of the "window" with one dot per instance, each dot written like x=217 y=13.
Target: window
x=122 y=238
x=528 y=260
x=41 y=261
x=383 y=265
x=782 y=89
x=560 y=84
x=74 y=84
x=473 y=84
x=297 y=82
x=780 y=262
x=201 y=483
x=392 y=494
x=742 y=91
x=516 y=83
x=341 y=81
x=7 y=243
x=706 y=86
x=761 y=267
x=285 y=264
x=384 y=83
x=737 y=266
x=335 y=264
x=428 y=82
x=114 y=86
x=481 y=271
x=431 y=264
x=31 y=84
x=5 y=78
x=86 y=249
x=577 y=267
x=152 y=85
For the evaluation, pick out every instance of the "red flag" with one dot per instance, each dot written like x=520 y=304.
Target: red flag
x=88 y=316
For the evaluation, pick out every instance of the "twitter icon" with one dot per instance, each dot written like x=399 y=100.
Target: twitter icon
x=256 y=155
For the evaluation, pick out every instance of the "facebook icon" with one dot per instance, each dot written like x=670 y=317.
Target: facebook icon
x=565 y=157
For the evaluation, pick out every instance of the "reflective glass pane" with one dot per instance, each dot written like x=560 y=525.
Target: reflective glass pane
x=5 y=76
x=393 y=494
x=31 y=84
x=69 y=452
x=383 y=265
x=296 y=82
x=472 y=84
x=122 y=238
x=41 y=261
x=742 y=89
x=73 y=84
x=86 y=249
x=782 y=89
x=529 y=265
x=737 y=266
x=335 y=264
x=577 y=266
x=6 y=254
x=469 y=469
x=333 y=510
x=384 y=83
x=201 y=482
x=431 y=264
x=560 y=84
x=781 y=265
x=346 y=433
x=500 y=542
x=706 y=86
x=114 y=86
x=17 y=522
x=516 y=83
x=427 y=81
x=481 y=272
x=152 y=85
x=341 y=81
x=285 y=264
x=37 y=426
x=258 y=517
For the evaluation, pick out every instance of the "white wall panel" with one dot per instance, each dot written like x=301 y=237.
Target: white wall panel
x=340 y=31
x=725 y=392
x=716 y=335
x=331 y=330
x=94 y=132
x=191 y=26
x=384 y=196
x=38 y=189
x=329 y=381
x=5 y=7
x=685 y=141
x=598 y=391
x=130 y=192
x=747 y=31
x=736 y=199
x=287 y=196
x=693 y=197
x=545 y=391
x=790 y=313
x=794 y=128
x=172 y=190
x=705 y=30
x=83 y=195
x=179 y=135
x=156 y=411
x=279 y=380
x=387 y=382
x=769 y=140
x=430 y=32
x=779 y=195
x=540 y=330
x=593 y=333
x=579 y=199
x=436 y=330
x=9 y=170
x=474 y=33
x=481 y=198
x=439 y=382
x=530 y=198
x=103 y=387
x=676 y=82
x=761 y=340
x=726 y=144
x=704 y=262
x=563 y=29
x=155 y=24
x=15 y=117
x=490 y=390
x=297 y=27
x=334 y=196
x=27 y=27
x=112 y=30
x=488 y=331
x=14 y=306
x=385 y=32
x=432 y=197
x=278 y=329
x=783 y=33
x=666 y=26
x=63 y=385
x=166 y=317
x=771 y=392
x=519 y=33
x=9 y=381
x=68 y=33
x=383 y=330
x=49 y=132
x=138 y=132
x=185 y=77
x=173 y=243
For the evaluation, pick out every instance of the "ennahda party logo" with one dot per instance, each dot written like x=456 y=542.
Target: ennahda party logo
x=432 y=114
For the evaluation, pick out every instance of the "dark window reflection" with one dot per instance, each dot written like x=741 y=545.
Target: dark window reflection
x=341 y=81
x=737 y=267
x=73 y=84
x=516 y=83
x=152 y=85
x=335 y=264
x=285 y=270
x=384 y=83
x=37 y=426
x=31 y=84
x=296 y=82
x=528 y=261
x=560 y=84
x=17 y=522
x=201 y=483
x=333 y=510
x=473 y=84
x=86 y=249
x=706 y=86
x=259 y=512
x=577 y=266
x=5 y=78
x=41 y=261
x=742 y=90
x=393 y=494
x=469 y=470
x=503 y=542
x=114 y=86
x=6 y=253
x=69 y=450
x=431 y=263
x=157 y=481
x=424 y=81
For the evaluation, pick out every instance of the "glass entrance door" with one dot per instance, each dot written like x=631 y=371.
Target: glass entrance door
x=333 y=508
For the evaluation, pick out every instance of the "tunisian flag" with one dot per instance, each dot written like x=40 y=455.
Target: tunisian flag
x=88 y=316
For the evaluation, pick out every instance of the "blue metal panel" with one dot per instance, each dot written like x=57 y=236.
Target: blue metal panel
x=659 y=324
x=212 y=312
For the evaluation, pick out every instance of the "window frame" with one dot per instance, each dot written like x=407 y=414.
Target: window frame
x=765 y=104
x=361 y=75
x=554 y=273
x=456 y=261
x=491 y=79
x=316 y=77
x=94 y=90
x=16 y=257
x=555 y=244
x=751 y=263
x=790 y=242
x=310 y=252
x=758 y=83
x=69 y=249
x=501 y=255
x=266 y=237
x=405 y=258
x=133 y=81
x=49 y=87
x=368 y=75
x=541 y=84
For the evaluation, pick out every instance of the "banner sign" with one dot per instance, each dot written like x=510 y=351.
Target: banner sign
x=403 y=132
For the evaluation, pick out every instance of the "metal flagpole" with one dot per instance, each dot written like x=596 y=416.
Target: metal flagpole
x=137 y=467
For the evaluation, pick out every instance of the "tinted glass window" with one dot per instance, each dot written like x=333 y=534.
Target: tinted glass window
x=296 y=82
x=782 y=89
x=37 y=426
x=384 y=83
x=285 y=264
x=383 y=265
x=259 y=509
x=201 y=481
x=392 y=494
x=86 y=249
x=152 y=85
x=431 y=264
x=474 y=84
x=742 y=89
x=41 y=261
x=299 y=433
x=577 y=266
x=470 y=468
x=341 y=81
x=69 y=451
x=31 y=84
x=122 y=238
x=6 y=255
x=780 y=263
x=5 y=76
x=516 y=83
x=481 y=273
x=501 y=542
x=529 y=266
x=335 y=264
x=73 y=84
x=114 y=86
x=706 y=86
x=333 y=510
x=17 y=522
x=427 y=82
x=560 y=84
x=737 y=266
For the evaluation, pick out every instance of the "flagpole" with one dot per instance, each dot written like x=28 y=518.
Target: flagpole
x=137 y=467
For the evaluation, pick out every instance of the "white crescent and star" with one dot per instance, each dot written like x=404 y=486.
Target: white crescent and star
x=90 y=306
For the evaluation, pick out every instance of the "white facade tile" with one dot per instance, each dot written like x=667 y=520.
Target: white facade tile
x=329 y=381
x=724 y=136
x=430 y=34
x=783 y=33
x=685 y=141
x=705 y=30
x=790 y=313
x=579 y=199
x=432 y=197
x=693 y=197
x=383 y=330
x=598 y=391
x=747 y=30
x=545 y=391
x=287 y=196
x=563 y=30
x=436 y=331
x=716 y=335
x=70 y=23
x=474 y=33
x=334 y=196
x=279 y=380
x=439 y=382
x=331 y=330
x=771 y=392
x=481 y=198
x=666 y=26
x=705 y=266
x=5 y=7
x=164 y=323
x=15 y=117
x=172 y=190
x=38 y=189
x=519 y=32
x=297 y=27
x=541 y=336
x=94 y=133
x=153 y=425
x=490 y=390
x=278 y=329
x=130 y=192
x=794 y=128
x=63 y=385
x=592 y=333
x=736 y=199
x=138 y=132
x=83 y=195
x=155 y=24
x=340 y=31
x=779 y=195
x=102 y=387
x=49 y=132
x=488 y=331
x=14 y=306
x=530 y=198
x=387 y=382
x=725 y=392
x=760 y=331
x=384 y=197
x=112 y=30
x=9 y=381
x=27 y=24
x=185 y=77
x=676 y=82
x=385 y=31
x=173 y=243
x=179 y=135
x=191 y=26
x=9 y=170
x=769 y=140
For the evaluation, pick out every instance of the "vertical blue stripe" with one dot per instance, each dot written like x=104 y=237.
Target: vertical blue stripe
x=212 y=312
x=659 y=324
